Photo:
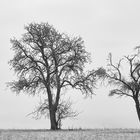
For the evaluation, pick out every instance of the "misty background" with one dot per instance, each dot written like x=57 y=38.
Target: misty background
x=105 y=26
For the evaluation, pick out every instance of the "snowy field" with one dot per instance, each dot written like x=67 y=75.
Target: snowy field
x=95 y=134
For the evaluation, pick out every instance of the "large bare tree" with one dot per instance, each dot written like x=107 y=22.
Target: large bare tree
x=47 y=62
x=124 y=76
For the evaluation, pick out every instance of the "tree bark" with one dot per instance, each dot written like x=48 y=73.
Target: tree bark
x=54 y=125
x=138 y=108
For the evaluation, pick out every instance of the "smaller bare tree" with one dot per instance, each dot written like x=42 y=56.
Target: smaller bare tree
x=64 y=110
x=124 y=77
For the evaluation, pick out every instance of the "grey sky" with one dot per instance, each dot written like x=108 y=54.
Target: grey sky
x=105 y=25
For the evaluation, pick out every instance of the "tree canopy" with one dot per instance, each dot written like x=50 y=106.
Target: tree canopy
x=47 y=61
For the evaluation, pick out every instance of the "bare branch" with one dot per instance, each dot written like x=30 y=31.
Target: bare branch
x=119 y=92
x=115 y=67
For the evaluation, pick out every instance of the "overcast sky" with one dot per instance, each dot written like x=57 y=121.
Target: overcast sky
x=105 y=26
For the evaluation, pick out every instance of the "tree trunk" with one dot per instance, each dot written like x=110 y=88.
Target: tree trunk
x=54 y=125
x=138 y=108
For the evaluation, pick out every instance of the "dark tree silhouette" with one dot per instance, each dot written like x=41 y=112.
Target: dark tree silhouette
x=125 y=77
x=47 y=61
x=64 y=110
